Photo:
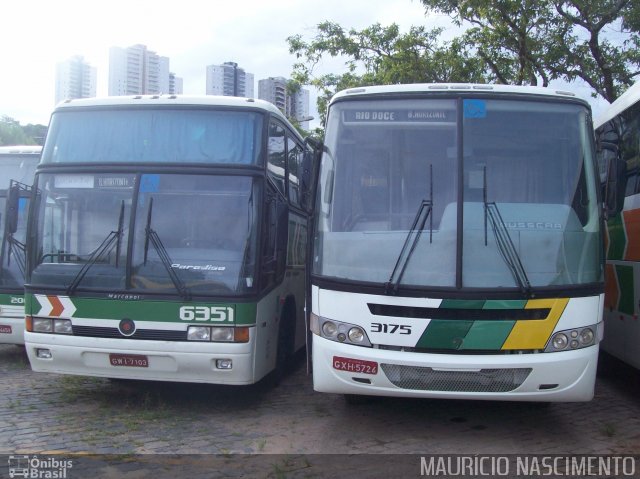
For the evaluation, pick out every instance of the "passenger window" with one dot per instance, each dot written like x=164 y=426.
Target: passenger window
x=276 y=166
x=294 y=159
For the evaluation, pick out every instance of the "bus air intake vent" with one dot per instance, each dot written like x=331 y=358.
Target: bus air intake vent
x=429 y=379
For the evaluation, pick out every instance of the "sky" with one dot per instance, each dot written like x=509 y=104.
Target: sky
x=37 y=34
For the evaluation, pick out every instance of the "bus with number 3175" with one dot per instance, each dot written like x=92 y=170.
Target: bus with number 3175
x=457 y=245
x=167 y=240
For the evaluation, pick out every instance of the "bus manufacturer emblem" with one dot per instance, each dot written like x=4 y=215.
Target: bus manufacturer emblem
x=127 y=327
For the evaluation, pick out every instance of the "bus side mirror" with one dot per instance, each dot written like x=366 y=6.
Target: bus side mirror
x=310 y=163
x=12 y=210
x=616 y=181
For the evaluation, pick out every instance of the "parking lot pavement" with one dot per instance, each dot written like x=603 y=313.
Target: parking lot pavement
x=47 y=414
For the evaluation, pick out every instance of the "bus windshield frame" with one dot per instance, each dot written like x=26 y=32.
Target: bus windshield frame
x=509 y=183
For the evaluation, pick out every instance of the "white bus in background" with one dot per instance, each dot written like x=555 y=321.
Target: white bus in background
x=618 y=136
x=17 y=166
x=457 y=245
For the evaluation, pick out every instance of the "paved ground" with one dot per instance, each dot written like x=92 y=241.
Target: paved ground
x=50 y=414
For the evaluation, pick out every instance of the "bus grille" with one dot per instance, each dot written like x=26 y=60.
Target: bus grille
x=143 y=334
x=428 y=379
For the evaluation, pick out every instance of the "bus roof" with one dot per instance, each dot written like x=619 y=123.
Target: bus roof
x=624 y=101
x=157 y=100
x=20 y=150
x=453 y=87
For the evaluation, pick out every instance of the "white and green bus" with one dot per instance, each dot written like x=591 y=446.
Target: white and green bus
x=457 y=245
x=167 y=240
x=618 y=136
x=17 y=166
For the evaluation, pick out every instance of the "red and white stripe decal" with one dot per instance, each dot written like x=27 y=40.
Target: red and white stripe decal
x=56 y=306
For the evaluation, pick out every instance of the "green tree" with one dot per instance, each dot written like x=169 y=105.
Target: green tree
x=12 y=133
x=379 y=55
x=536 y=41
x=522 y=42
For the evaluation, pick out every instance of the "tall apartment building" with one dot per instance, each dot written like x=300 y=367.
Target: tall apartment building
x=293 y=104
x=75 y=78
x=229 y=80
x=138 y=71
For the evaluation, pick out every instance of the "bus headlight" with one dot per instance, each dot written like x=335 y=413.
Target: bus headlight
x=338 y=331
x=356 y=335
x=222 y=334
x=329 y=329
x=42 y=325
x=577 y=338
x=198 y=333
x=46 y=325
x=62 y=326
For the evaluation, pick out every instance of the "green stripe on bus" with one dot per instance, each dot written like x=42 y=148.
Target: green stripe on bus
x=625 y=280
x=617 y=238
x=505 y=304
x=150 y=310
x=487 y=335
x=444 y=334
x=11 y=300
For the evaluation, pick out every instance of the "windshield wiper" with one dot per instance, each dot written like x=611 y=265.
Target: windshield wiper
x=504 y=242
x=419 y=222
x=112 y=239
x=152 y=237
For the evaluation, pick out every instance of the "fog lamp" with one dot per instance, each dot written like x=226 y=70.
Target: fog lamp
x=224 y=363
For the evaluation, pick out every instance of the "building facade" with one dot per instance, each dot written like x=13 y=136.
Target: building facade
x=229 y=80
x=138 y=71
x=293 y=103
x=75 y=78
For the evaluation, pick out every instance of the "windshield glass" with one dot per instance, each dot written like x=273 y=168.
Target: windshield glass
x=21 y=168
x=383 y=159
x=17 y=167
x=390 y=162
x=205 y=226
x=154 y=135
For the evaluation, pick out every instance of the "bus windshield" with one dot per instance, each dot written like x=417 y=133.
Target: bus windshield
x=504 y=181
x=148 y=233
x=19 y=168
x=158 y=135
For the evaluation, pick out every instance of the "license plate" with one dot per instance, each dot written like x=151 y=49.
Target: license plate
x=129 y=360
x=355 y=365
x=5 y=329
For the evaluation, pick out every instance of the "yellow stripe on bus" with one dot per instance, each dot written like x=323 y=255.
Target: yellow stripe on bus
x=534 y=334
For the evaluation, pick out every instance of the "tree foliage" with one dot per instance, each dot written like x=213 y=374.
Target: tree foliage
x=379 y=55
x=522 y=42
x=12 y=133
x=536 y=41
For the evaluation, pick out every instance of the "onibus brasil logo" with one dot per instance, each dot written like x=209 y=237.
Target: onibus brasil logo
x=38 y=468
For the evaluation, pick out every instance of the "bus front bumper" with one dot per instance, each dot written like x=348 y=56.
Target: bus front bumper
x=567 y=376
x=12 y=329
x=197 y=362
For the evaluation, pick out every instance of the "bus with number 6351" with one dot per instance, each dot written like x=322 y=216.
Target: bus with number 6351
x=167 y=240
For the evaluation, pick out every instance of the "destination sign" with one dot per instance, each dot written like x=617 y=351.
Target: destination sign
x=392 y=116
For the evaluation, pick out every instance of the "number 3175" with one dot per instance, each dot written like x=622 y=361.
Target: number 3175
x=390 y=328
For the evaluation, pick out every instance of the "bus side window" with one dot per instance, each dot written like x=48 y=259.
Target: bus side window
x=294 y=160
x=276 y=166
